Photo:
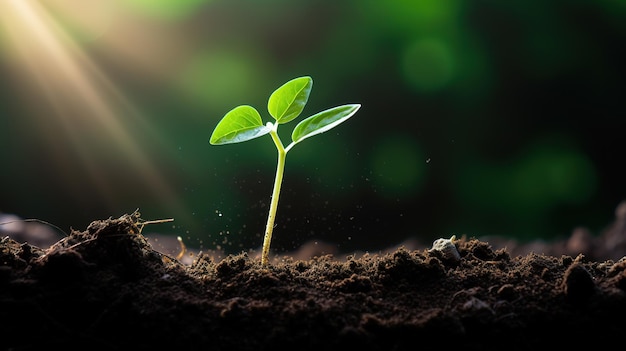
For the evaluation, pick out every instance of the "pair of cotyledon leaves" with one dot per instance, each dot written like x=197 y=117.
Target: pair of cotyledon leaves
x=285 y=104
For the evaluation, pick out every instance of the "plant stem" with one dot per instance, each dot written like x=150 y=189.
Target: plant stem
x=280 y=169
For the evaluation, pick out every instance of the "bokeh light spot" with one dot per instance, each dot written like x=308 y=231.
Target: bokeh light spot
x=428 y=64
x=548 y=177
x=418 y=16
x=220 y=80
x=527 y=189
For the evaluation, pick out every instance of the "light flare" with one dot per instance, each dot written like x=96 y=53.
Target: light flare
x=68 y=91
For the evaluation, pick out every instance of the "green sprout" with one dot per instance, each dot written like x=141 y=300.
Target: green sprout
x=244 y=123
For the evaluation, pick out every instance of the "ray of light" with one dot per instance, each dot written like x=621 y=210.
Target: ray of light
x=84 y=102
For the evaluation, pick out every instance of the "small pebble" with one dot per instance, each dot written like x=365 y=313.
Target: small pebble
x=446 y=248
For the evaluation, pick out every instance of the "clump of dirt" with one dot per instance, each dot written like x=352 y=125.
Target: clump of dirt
x=107 y=288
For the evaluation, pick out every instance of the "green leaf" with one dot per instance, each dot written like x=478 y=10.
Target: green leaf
x=240 y=124
x=287 y=102
x=323 y=121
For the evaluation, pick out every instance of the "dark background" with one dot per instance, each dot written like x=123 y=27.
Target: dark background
x=478 y=117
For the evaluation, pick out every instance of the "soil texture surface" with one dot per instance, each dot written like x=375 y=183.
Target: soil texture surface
x=108 y=288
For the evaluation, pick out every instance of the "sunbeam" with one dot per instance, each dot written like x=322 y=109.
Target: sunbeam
x=79 y=103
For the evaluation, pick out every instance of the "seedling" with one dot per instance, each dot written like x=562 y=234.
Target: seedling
x=244 y=123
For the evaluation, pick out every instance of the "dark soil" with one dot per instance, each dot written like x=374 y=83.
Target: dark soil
x=107 y=288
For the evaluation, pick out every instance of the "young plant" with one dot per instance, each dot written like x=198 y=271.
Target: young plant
x=244 y=123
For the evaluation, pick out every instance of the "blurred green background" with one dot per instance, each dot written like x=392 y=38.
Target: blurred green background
x=478 y=117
